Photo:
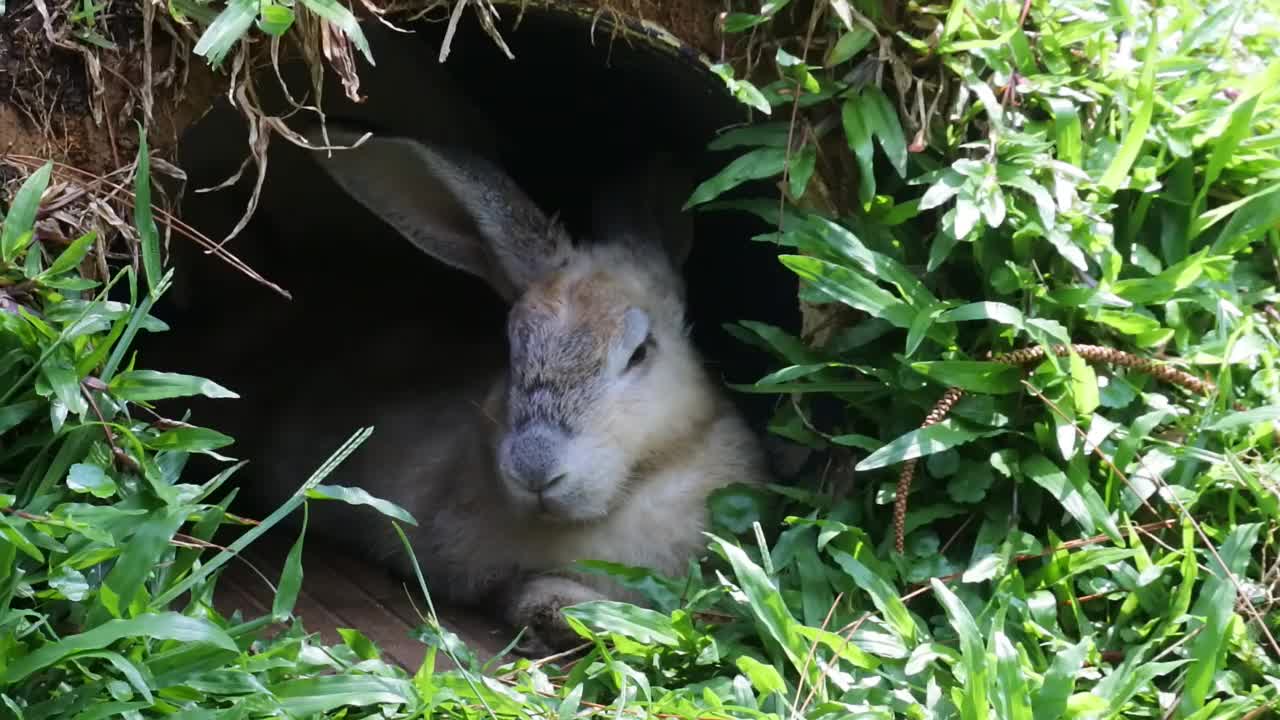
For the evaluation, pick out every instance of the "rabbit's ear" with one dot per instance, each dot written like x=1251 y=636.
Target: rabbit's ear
x=455 y=207
x=643 y=206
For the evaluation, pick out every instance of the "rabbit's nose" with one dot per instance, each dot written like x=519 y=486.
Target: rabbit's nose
x=543 y=484
x=533 y=459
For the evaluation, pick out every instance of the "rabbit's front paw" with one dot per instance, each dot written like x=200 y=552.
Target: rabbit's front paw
x=536 y=608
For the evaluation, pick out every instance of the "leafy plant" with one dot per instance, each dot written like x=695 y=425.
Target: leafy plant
x=106 y=566
x=959 y=181
x=1085 y=174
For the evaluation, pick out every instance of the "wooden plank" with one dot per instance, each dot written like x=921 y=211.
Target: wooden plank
x=339 y=591
x=485 y=635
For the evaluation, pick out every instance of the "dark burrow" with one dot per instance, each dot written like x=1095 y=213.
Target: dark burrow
x=568 y=110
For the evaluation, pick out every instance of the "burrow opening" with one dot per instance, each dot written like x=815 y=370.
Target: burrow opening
x=572 y=106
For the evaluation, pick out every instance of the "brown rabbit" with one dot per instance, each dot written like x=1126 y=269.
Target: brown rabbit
x=592 y=433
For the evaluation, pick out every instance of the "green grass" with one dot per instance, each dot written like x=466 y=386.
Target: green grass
x=1082 y=541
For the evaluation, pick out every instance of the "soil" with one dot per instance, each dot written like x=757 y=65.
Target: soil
x=48 y=94
x=35 y=74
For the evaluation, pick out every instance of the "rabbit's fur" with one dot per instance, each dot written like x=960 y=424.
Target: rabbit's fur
x=598 y=396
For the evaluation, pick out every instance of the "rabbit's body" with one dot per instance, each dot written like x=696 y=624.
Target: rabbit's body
x=594 y=433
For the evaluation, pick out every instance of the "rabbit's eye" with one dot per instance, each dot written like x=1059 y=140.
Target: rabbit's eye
x=641 y=352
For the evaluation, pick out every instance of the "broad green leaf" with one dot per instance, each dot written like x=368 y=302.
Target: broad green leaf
x=148 y=385
x=839 y=239
x=1269 y=413
x=157 y=626
x=1050 y=703
x=65 y=384
x=290 y=576
x=1046 y=210
x=972 y=375
x=850 y=43
x=135 y=675
x=943 y=190
x=999 y=312
x=921 y=442
x=920 y=328
x=846 y=648
x=341 y=18
x=276 y=19
x=13 y=415
x=1127 y=322
x=190 y=439
x=1012 y=697
x=640 y=624
x=883 y=122
x=1084 y=385
x=1216 y=606
x=990 y=103
x=1081 y=501
x=883 y=596
x=757 y=134
x=766 y=603
x=991 y=203
x=142 y=217
x=10 y=532
x=743 y=90
x=1066 y=124
x=22 y=212
x=1257 y=214
x=1140 y=122
x=802 y=164
x=1162 y=287
x=858 y=134
x=1225 y=144
x=967 y=213
x=765 y=678
x=127 y=578
x=738 y=22
x=360 y=496
x=70 y=258
x=321 y=694
x=972 y=653
x=226 y=30
x=765 y=162
x=1120 y=685
x=851 y=288
x=92 y=479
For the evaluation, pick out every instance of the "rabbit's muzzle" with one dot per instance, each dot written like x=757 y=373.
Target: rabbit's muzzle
x=533 y=458
x=557 y=476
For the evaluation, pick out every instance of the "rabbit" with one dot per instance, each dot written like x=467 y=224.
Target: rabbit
x=592 y=432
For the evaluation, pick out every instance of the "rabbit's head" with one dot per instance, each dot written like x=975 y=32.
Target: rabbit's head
x=603 y=385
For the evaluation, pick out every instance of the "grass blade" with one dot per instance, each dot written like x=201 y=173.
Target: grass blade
x=1118 y=171
x=1012 y=697
x=143 y=218
x=217 y=561
x=161 y=626
x=226 y=30
x=290 y=575
x=1216 y=605
x=767 y=605
x=1051 y=702
x=883 y=596
x=973 y=655
x=1080 y=500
